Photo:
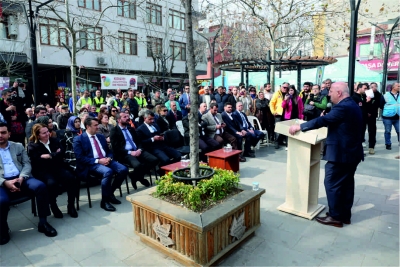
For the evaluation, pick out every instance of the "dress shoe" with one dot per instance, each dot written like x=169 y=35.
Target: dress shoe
x=47 y=229
x=277 y=145
x=345 y=222
x=145 y=182
x=72 y=211
x=56 y=211
x=328 y=220
x=249 y=154
x=107 y=206
x=134 y=184
x=4 y=237
x=112 y=199
x=371 y=151
x=242 y=159
x=389 y=147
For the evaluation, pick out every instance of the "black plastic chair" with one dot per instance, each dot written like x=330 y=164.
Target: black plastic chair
x=19 y=198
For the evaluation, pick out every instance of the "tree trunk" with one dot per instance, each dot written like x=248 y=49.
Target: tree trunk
x=272 y=71
x=73 y=57
x=194 y=93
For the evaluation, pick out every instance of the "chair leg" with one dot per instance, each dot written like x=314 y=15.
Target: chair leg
x=127 y=185
x=77 y=198
x=33 y=204
x=88 y=195
x=120 y=192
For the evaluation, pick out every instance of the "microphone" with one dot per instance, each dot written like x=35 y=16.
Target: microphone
x=328 y=108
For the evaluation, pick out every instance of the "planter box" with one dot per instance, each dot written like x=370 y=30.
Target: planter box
x=193 y=238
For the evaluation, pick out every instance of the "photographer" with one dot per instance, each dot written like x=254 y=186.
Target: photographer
x=315 y=103
x=22 y=93
x=13 y=115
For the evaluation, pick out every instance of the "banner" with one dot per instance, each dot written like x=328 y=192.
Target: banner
x=4 y=83
x=320 y=75
x=115 y=81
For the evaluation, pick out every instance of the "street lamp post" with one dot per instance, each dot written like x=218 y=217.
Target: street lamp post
x=32 y=33
x=353 y=41
x=211 y=46
x=388 y=37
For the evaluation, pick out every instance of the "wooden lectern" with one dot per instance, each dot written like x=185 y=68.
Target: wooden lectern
x=303 y=163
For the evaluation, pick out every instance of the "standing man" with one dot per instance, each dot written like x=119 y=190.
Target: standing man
x=372 y=109
x=343 y=153
x=171 y=98
x=361 y=100
x=93 y=155
x=129 y=151
x=305 y=92
x=15 y=176
x=326 y=85
x=156 y=100
x=221 y=98
x=184 y=101
x=132 y=103
x=267 y=91
x=98 y=100
x=206 y=97
x=85 y=99
x=275 y=105
x=390 y=103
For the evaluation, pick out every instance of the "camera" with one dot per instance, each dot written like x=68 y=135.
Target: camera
x=19 y=81
x=311 y=97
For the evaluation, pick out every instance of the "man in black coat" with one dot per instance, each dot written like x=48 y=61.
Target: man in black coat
x=152 y=141
x=361 y=100
x=128 y=150
x=343 y=153
x=132 y=103
x=221 y=98
x=372 y=113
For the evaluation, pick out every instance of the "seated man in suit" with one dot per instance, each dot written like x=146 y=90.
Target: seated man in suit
x=216 y=128
x=233 y=127
x=128 y=150
x=247 y=129
x=174 y=114
x=149 y=134
x=206 y=143
x=15 y=177
x=93 y=155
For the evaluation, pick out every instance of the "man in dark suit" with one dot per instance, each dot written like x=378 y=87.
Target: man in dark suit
x=253 y=135
x=149 y=134
x=174 y=114
x=165 y=122
x=129 y=151
x=15 y=177
x=93 y=155
x=184 y=102
x=233 y=127
x=343 y=152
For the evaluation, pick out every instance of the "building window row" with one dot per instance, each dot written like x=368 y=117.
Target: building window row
x=153 y=14
x=127 y=43
x=91 y=39
x=53 y=33
x=126 y=8
x=90 y=4
x=178 y=50
x=176 y=20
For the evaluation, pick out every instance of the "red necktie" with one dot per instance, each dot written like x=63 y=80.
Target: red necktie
x=98 y=150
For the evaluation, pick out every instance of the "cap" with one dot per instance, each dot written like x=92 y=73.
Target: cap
x=64 y=106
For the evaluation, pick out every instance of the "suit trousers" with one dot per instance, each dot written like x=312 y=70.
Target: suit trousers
x=339 y=187
x=278 y=137
x=226 y=138
x=140 y=164
x=108 y=186
x=29 y=186
x=371 y=131
x=165 y=153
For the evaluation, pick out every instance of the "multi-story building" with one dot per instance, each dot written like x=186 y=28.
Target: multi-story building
x=118 y=36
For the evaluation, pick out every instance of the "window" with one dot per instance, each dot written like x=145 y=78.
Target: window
x=153 y=14
x=53 y=32
x=127 y=43
x=90 y=4
x=127 y=9
x=154 y=46
x=364 y=50
x=176 y=20
x=91 y=39
x=178 y=50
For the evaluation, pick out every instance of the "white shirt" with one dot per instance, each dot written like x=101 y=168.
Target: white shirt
x=46 y=145
x=95 y=155
x=218 y=131
x=152 y=129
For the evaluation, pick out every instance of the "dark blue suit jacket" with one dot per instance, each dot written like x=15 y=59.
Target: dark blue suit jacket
x=183 y=102
x=232 y=126
x=344 y=141
x=84 y=153
x=236 y=116
x=144 y=136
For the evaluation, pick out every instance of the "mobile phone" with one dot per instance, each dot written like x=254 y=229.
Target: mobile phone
x=17 y=184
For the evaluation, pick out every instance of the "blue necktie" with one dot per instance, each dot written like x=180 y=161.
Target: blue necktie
x=127 y=137
x=244 y=120
x=154 y=128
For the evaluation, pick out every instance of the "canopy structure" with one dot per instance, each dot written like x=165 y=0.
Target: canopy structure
x=281 y=64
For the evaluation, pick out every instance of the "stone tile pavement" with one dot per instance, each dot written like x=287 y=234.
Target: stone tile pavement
x=99 y=238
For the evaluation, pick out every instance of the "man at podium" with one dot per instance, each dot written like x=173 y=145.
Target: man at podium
x=343 y=152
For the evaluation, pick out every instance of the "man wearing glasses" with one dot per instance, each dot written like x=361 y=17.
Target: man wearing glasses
x=184 y=101
x=275 y=105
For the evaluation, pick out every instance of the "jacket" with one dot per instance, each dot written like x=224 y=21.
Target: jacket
x=236 y=116
x=232 y=126
x=391 y=108
x=183 y=102
x=133 y=107
x=84 y=153
x=145 y=137
x=20 y=159
x=275 y=105
x=211 y=124
x=221 y=100
x=118 y=142
x=344 y=141
x=288 y=108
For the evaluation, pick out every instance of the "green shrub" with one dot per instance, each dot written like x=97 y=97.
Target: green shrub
x=206 y=192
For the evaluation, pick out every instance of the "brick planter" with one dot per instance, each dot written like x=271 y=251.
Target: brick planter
x=193 y=238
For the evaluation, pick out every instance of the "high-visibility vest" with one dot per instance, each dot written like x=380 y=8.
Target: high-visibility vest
x=98 y=103
x=84 y=102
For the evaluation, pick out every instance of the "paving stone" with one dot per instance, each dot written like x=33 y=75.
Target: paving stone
x=102 y=258
x=79 y=247
x=386 y=240
x=16 y=260
x=389 y=217
x=147 y=257
x=377 y=255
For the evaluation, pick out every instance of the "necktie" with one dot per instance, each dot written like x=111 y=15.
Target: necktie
x=176 y=117
x=216 y=121
x=244 y=120
x=153 y=128
x=188 y=98
x=129 y=139
x=97 y=146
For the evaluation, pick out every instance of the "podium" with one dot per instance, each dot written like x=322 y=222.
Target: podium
x=303 y=163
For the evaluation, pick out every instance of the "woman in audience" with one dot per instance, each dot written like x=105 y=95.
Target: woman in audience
x=248 y=107
x=292 y=106
x=84 y=109
x=60 y=102
x=111 y=116
x=163 y=121
x=48 y=166
x=261 y=110
x=73 y=129
x=104 y=127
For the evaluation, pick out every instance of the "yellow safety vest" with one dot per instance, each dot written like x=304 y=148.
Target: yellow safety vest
x=98 y=103
x=83 y=101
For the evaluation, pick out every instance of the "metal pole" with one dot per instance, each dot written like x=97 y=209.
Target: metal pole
x=299 y=74
x=386 y=59
x=163 y=69
x=212 y=62
x=269 y=66
x=33 y=54
x=241 y=73
x=353 y=40
x=247 y=79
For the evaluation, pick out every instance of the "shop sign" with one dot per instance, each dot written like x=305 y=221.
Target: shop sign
x=115 y=81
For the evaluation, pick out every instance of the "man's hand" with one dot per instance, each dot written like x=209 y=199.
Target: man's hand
x=311 y=103
x=251 y=131
x=10 y=184
x=244 y=132
x=13 y=118
x=104 y=161
x=11 y=107
x=136 y=153
x=46 y=156
x=218 y=126
x=294 y=129
x=368 y=99
x=158 y=138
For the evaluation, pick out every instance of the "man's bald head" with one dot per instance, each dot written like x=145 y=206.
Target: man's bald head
x=338 y=91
